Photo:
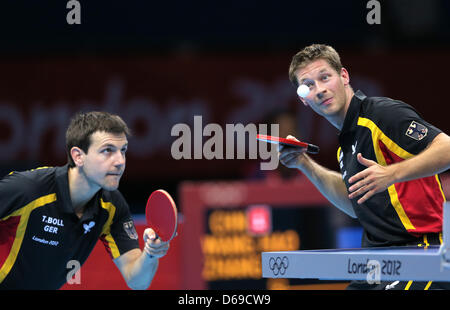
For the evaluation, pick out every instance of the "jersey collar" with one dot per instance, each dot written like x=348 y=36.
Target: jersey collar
x=351 y=118
x=62 y=184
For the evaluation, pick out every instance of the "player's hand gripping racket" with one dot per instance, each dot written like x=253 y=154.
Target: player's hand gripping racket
x=310 y=148
x=161 y=215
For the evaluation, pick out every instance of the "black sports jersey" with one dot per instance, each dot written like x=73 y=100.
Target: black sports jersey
x=388 y=131
x=40 y=234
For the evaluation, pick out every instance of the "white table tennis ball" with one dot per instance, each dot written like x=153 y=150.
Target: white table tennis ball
x=303 y=90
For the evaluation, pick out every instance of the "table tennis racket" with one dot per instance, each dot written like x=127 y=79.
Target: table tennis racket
x=310 y=148
x=161 y=215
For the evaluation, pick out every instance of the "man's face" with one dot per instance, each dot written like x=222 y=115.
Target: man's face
x=327 y=94
x=104 y=163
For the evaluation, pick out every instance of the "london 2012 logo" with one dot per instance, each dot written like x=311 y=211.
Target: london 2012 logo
x=278 y=265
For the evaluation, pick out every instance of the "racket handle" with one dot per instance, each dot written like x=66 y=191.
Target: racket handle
x=312 y=149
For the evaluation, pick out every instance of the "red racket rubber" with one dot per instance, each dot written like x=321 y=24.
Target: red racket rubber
x=310 y=148
x=161 y=215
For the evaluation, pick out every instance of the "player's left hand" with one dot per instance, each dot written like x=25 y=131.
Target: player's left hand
x=154 y=246
x=374 y=179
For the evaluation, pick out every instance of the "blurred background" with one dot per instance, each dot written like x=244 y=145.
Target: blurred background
x=158 y=64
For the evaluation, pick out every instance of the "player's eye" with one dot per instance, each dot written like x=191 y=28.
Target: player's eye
x=107 y=150
x=308 y=82
x=325 y=77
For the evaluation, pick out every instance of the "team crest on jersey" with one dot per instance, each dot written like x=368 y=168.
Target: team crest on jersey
x=416 y=131
x=130 y=229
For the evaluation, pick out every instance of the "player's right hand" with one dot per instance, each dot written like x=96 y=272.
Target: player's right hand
x=291 y=156
x=154 y=247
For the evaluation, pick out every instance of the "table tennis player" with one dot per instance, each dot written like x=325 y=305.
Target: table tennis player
x=50 y=216
x=389 y=159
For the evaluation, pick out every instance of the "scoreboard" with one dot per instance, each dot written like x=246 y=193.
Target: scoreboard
x=228 y=224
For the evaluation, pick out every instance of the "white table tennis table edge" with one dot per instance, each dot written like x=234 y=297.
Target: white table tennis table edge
x=337 y=265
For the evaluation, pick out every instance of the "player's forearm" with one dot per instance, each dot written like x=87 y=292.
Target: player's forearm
x=329 y=183
x=433 y=160
x=140 y=273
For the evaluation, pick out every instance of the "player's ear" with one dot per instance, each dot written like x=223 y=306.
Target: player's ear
x=77 y=156
x=345 y=76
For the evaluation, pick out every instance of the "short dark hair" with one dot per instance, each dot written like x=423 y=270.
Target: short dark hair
x=83 y=125
x=311 y=53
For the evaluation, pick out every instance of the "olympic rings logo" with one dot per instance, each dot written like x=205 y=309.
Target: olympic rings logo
x=279 y=265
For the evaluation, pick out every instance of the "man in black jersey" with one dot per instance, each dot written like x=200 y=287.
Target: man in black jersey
x=389 y=158
x=52 y=216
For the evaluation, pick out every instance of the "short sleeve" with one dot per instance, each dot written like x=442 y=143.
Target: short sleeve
x=406 y=127
x=121 y=235
x=14 y=193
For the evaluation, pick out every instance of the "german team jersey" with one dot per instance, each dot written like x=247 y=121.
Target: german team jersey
x=41 y=236
x=389 y=131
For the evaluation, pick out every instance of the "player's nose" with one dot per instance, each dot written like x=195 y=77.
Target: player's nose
x=119 y=158
x=320 y=91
